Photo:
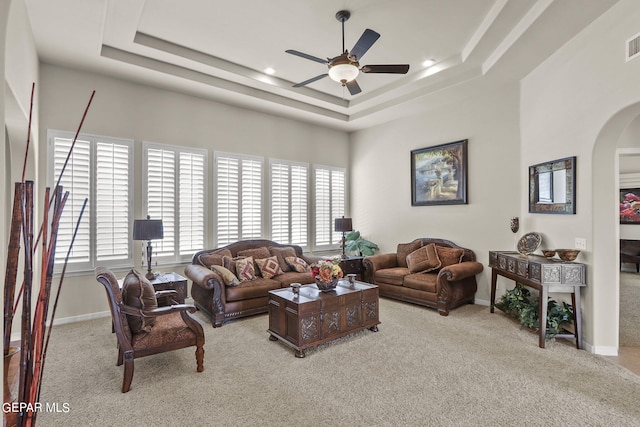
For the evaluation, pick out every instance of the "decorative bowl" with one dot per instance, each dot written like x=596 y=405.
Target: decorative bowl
x=326 y=286
x=567 y=254
x=549 y=253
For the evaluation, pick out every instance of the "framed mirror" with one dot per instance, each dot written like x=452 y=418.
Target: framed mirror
x=552 y=187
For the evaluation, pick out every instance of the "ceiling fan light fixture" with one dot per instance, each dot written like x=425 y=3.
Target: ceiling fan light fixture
x=343 y=73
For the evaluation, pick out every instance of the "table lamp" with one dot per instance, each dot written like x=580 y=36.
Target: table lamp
x=343 y=225
x=148 y=229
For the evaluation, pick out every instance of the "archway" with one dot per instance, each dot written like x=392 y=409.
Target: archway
x=606 y=232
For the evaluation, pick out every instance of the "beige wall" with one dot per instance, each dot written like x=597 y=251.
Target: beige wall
x=481 y=111
x=19 y=69
x=144 y=113
x=578 y=103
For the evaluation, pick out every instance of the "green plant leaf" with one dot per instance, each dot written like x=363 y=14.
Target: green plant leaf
x=352 y=235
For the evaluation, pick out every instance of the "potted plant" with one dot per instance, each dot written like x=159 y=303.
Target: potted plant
x=355 y=243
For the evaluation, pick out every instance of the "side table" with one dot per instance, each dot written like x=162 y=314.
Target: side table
x=353 y=265
x=170 y=281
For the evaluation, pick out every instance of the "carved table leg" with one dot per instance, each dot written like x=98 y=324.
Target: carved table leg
x=300 y=354
x=374 y=328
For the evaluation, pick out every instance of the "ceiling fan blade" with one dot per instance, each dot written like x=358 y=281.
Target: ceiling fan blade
x=388 y=68
x=307 y=56
x=367 y=39
x=311 y=80
x=353 y=87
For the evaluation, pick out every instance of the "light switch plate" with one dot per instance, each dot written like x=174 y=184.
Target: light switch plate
x=581 y=243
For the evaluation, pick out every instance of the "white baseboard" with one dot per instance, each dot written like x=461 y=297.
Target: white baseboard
x=600 y=350
x=73 y=319
x=481 y=302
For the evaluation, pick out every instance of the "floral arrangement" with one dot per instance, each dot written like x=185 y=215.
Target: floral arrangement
x=327 y=270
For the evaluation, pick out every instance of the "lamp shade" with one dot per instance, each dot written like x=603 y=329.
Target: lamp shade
x=147 y=229
x=344 y=224
x=343 y=72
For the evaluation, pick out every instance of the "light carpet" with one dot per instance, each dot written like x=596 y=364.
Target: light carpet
x=471 y=368
x=629 y=313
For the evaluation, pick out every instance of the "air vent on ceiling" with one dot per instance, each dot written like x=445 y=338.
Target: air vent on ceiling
x=633 y=47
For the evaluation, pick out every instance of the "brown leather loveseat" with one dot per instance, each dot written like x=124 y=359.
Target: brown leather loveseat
x=431 y=272
x=225 y=301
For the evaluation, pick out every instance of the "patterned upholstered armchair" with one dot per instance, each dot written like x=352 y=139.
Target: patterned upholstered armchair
x=143 y=331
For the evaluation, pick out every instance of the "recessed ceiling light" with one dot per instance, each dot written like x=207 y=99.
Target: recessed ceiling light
x=428 y=63
x=269 y=71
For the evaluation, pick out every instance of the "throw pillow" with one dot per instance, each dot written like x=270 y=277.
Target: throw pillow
x=423 y=260
x=245 y=269
x=230 y=262
x=211 y=258
x=228 y=277
x=449 y=256
x=405 y=249
x=282 y=254
x=298 y=264
x=269 y=267
x=138 y=292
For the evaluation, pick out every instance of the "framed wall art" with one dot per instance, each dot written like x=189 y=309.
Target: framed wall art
x=439 y=174
x=630 y=206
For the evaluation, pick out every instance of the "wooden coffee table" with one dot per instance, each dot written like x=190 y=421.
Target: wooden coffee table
x=314 y=317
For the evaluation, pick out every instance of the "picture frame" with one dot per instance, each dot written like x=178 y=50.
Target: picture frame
x=630 y=206
x=439 y=174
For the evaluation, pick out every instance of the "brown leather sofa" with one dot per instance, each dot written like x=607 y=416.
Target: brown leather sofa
x=223 y=303
x=443 y=287
x=630 y=252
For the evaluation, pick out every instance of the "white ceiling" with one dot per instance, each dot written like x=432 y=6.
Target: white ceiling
x=219 y=49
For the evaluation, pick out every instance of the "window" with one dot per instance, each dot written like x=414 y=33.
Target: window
x=289 y=184
x=238 y=190
x=330 y=191
x=99 y=169
x=175 y=193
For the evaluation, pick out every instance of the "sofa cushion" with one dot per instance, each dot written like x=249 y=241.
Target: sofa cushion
x=421 y=282
x=256 y=253
x=245 y=269
x=391 y=276
x=297 y=264
x=228 y=277
x=449 y=256
x=405 y=249
x=269 y=267
x=423 y=260
x=282 y=254
x=139 y=293
x=257 y=288
x=213 y=258
x=286 y=279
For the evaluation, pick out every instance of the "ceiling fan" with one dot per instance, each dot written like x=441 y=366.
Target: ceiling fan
x=345 y=68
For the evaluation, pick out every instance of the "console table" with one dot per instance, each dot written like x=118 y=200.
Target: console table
x=545 y=275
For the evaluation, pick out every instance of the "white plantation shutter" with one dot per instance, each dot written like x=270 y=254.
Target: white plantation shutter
x=77 y=181
x=99 y=170
x=161 y=197
x=238 y=189
x=280 y=203
x=329 y=186
x=192 y=203
x=289 y=189
x=337 y=202
x=228 y=201
x=175 y=189
x=112 y=201
x=251 y=207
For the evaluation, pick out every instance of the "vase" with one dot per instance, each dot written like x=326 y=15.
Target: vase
x=326 y=286
x=10 y=384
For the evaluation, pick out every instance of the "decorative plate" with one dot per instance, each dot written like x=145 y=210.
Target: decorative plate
x=529 y=243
